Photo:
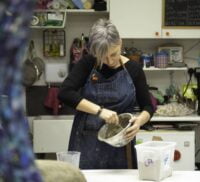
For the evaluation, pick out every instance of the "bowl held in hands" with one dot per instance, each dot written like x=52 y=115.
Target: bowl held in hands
x=114 y=134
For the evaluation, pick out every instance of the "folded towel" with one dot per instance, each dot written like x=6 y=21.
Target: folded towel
x=59 y=171
x=51 y=101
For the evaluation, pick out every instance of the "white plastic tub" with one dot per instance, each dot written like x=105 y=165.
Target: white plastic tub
x=155 y=159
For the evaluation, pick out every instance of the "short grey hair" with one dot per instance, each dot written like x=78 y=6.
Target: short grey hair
x=102 y=36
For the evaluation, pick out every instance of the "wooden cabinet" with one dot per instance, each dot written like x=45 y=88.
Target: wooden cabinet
x=143 y=19
x=137 y=19
x=188 y=33
x=181 y=19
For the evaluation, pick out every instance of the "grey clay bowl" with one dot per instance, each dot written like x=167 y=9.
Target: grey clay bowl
x=114 y=134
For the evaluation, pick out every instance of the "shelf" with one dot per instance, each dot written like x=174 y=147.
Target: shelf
x=73 y=11
x=49 y=10
x=166 y=69
x=84 y=11
x=47 y=27
x=192 y=118
x=52 y=18
x=65 y=13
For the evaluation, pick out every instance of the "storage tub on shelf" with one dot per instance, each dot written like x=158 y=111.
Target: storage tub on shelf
x=155 y=159
x=161 y=60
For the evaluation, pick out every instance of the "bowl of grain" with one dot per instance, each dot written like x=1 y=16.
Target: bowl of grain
x=114 y=134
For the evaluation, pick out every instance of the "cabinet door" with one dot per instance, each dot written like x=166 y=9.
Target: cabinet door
x=180 y=33
x=137 y=18
x=177 y=13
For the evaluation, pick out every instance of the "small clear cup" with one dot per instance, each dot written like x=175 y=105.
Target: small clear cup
x=72 y=157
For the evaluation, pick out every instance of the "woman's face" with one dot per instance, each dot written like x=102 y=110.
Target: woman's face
x=113 y=57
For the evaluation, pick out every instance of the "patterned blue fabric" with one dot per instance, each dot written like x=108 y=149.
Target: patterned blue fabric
x=16 y=155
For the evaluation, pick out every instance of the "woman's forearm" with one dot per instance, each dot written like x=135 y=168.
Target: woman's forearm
x=88 y=107
x=107 y=115
x=143 y=118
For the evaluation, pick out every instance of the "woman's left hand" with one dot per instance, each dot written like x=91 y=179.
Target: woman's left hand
x=133 y=129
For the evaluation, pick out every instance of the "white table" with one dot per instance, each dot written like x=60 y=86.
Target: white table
x=130 y=175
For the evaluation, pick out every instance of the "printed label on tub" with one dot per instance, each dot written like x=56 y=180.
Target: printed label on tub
x=149 y=158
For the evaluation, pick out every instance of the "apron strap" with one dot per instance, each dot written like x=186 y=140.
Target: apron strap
x=122 y=64
x=129 y=156
x=128 y=146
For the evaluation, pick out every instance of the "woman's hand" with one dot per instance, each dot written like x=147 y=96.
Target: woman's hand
x=133 y=129
x=109 y=116
x=137 y=123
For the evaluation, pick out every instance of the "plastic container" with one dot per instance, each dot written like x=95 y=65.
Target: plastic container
x=161 y=60
x=146 y=59
x=155 y=159
x=72 y=157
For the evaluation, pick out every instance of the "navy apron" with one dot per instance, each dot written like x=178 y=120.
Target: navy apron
x=116 y=93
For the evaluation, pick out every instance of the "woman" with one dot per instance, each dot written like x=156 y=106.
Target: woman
x=110 y=84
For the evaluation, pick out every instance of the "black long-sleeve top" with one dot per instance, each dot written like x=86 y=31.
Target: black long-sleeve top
x=69 y=92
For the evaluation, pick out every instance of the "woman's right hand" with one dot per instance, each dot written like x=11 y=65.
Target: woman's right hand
x=109 y=116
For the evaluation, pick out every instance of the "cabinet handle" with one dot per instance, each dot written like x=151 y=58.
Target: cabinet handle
x=157 y=33
x=167 y=33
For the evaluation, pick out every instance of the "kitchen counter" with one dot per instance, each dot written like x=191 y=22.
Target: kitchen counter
x=131 y=175
x=192 y=117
